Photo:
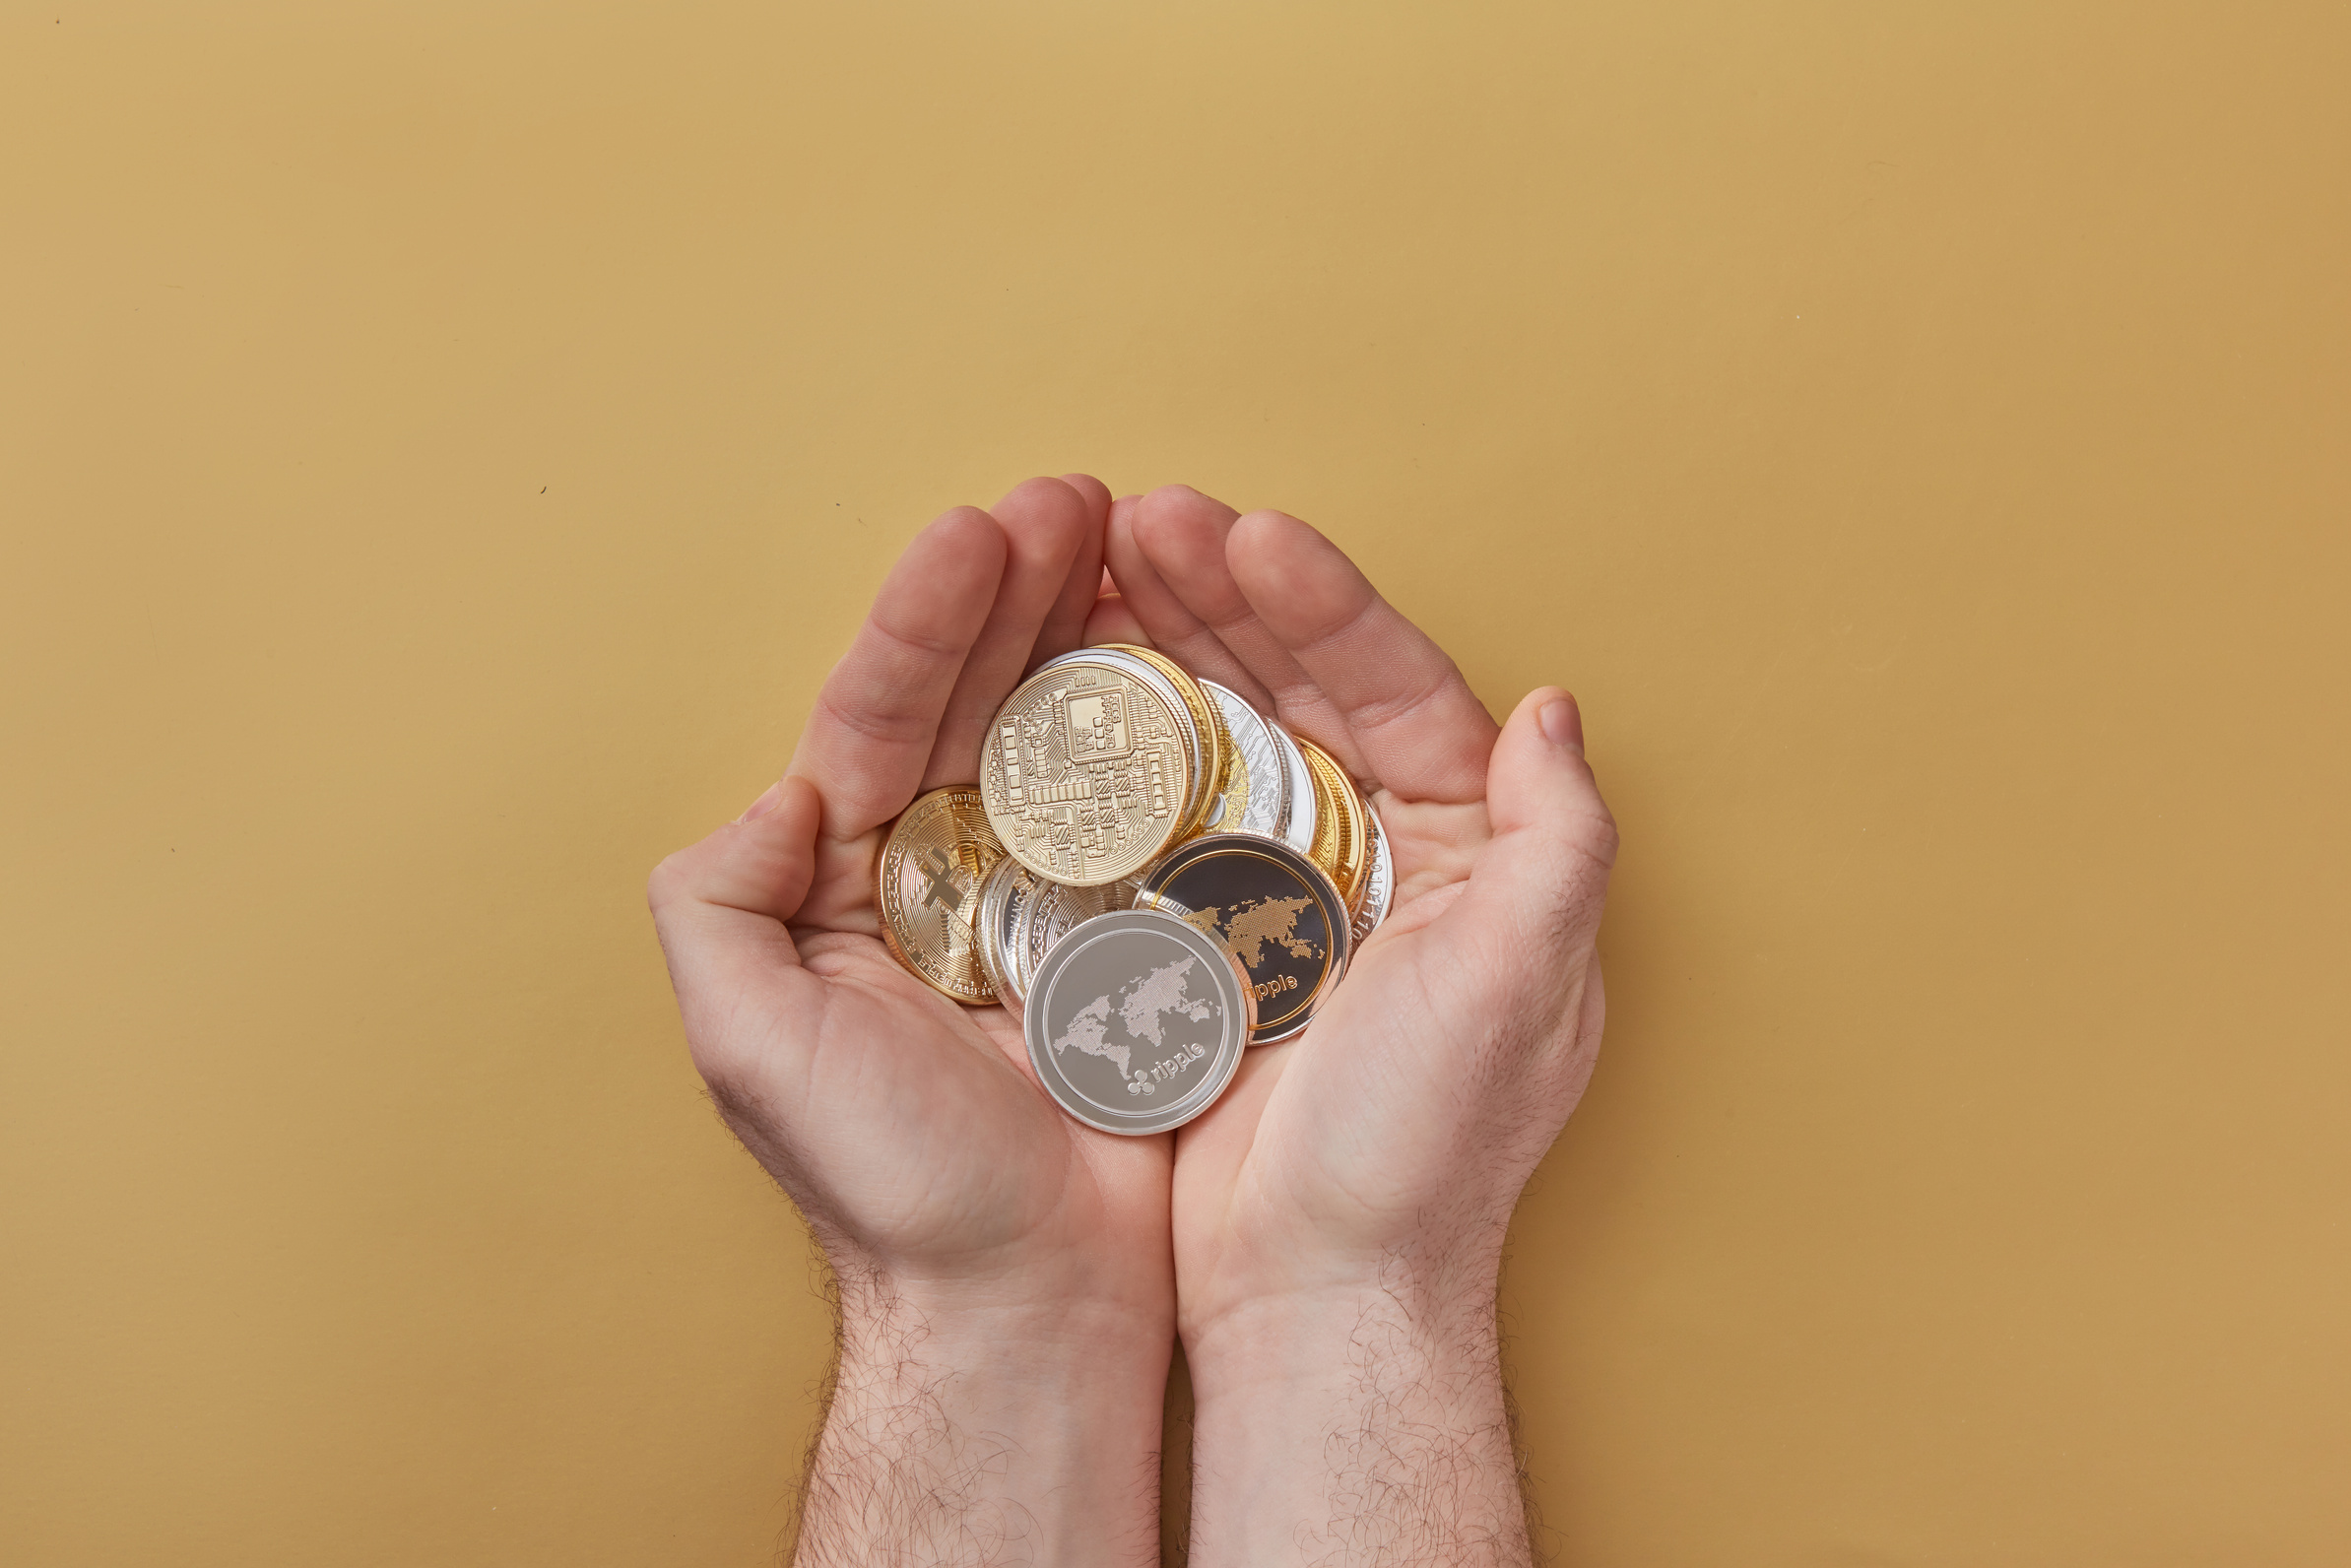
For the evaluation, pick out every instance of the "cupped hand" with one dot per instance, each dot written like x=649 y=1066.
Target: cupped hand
x=907 y=1128
x=1383 y=1150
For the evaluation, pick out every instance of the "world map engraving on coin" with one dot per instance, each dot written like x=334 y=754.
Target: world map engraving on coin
x=1253 y=923
x=1113 y=1027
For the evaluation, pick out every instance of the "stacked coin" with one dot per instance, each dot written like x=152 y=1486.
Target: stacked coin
x=1152 y=840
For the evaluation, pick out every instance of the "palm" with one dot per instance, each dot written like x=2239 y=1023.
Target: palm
x=924 y=1118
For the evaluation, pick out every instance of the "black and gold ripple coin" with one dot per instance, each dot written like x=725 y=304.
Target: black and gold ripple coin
x=1274 y=910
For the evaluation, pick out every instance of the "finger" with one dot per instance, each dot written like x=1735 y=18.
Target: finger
x=1539 y=884
x=1112 y=621
x=758 y=863
x=876 y=721
x=1181 y=533
x=1065 y=622
x=1096 y=494
x=1043 y=520
x=1414 y=725
x=1173 y=629
x=720 y=908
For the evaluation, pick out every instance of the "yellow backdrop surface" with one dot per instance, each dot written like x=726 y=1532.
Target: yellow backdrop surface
x=442 y=447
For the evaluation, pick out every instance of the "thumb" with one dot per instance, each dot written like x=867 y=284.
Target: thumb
x=1539 y=884
x=720 y=908
x=760 y=864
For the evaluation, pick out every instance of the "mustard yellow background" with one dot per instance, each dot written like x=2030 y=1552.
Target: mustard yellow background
x=442 y=447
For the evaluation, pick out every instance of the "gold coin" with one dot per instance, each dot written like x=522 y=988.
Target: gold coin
x=1216 y=742
x=928 y=884
x=1338 y=823
x=1085 y=777
x=1155 y=677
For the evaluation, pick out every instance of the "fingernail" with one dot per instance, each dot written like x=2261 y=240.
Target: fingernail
x=1561 y=724
x=764 y=804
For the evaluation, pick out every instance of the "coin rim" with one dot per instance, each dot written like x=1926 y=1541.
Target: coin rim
x=995 y=896
x=1342 y=930
x=1352 y=851
x=882 y=903
x=1381 y=878
x=1300 y=788
x=1032 y=1024
x=1019 y=914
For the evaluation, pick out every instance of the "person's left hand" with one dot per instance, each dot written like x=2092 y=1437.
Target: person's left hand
x=1339 y=1214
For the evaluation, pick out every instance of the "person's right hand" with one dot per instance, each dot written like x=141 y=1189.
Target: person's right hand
x=1005 y=1287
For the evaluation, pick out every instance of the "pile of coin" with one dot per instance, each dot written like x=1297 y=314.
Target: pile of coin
x=1151 y=873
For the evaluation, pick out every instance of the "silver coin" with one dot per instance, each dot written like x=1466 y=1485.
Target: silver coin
x=1275 y=910
x=1011 y=928
x=1269 y=779
x=1003 y=897
x=1379 y=882
x=1055 y=909
x=1137 y=1021
x=1298 y=822
x=983 y=928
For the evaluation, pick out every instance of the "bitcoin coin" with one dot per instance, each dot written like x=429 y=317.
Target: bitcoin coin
x=926 y=884
x=1052 y=912
x=1339 y=844
x=1379 y=882
x=1277 y=913
x=1086 y=776
x=1299 y=820
x=1256 y=783
x=1137 y=1021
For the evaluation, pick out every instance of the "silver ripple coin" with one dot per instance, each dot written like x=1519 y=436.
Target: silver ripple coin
x=1379 y=882
x=1297 y=825
x=1135 y=1022
x=1268 y=777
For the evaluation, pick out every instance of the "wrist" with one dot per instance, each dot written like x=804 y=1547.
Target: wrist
x=966 y=1423
x=1072 y=1352
x=1033 y=1302
x=1230 y=1308
x=1339 y=1419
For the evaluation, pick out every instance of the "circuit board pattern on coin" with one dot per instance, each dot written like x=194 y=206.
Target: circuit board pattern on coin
x=1084 y=777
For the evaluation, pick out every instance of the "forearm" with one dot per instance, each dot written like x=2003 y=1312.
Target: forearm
x=986 y=1435
x=1354 y=1428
